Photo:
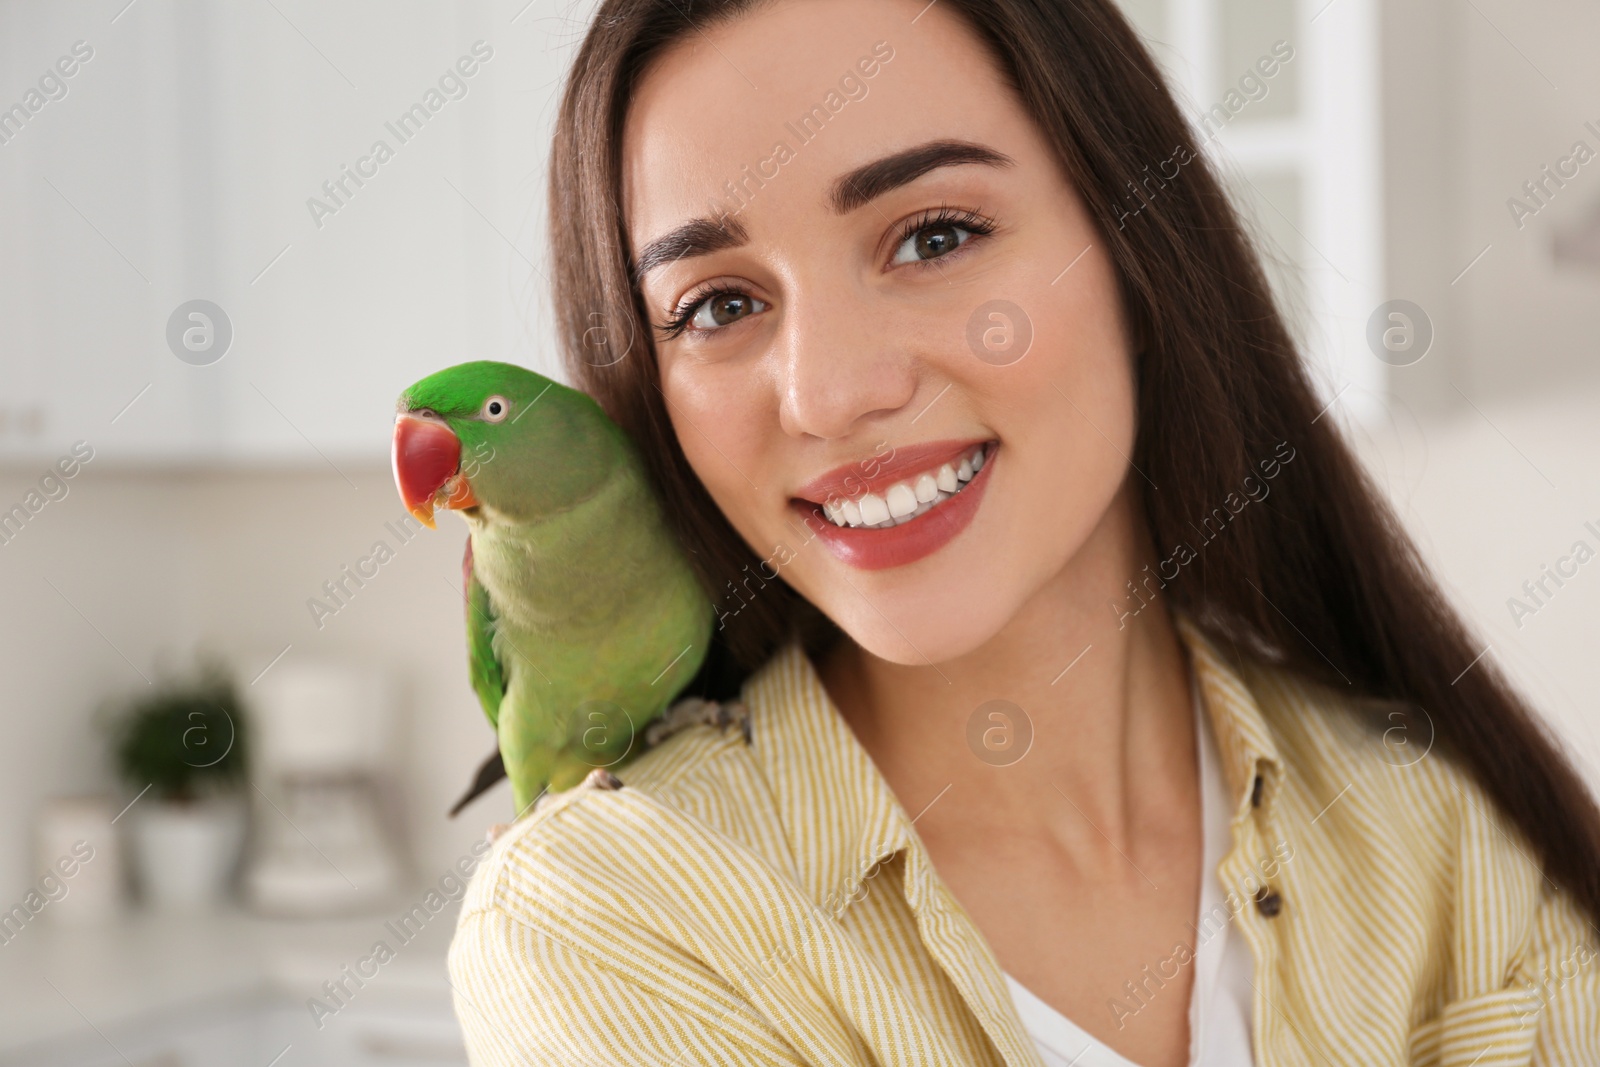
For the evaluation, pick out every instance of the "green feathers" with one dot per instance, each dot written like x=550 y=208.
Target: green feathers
x=584 y=619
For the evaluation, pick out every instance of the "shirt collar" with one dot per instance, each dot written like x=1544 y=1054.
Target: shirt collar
x=841 y=819
x=1244 y=740
x=839 y=813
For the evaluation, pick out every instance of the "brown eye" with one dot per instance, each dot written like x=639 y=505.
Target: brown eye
x=937 y=241
x=723 y=309
x=935 y=234
x=930 y=242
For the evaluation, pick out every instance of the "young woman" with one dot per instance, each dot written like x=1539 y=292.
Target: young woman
x=1099 y=711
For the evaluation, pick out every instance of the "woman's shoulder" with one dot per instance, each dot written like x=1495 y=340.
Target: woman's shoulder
x=1386 y=757
x=594 y=923
x=698 y=789
x=1403 y=861
x=1325 y=752
x=1390 y=815
x=1348 y=761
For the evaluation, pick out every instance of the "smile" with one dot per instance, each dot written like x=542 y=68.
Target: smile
x=908 y=499
x=918 y=502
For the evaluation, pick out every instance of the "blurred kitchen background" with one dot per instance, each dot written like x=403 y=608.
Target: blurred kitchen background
x=214 y=358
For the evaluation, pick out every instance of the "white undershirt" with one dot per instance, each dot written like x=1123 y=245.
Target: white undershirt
x=1221 y=995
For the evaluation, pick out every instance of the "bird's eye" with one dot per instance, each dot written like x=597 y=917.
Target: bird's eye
x=496 y=408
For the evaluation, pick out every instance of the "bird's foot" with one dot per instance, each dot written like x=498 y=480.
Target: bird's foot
x=691 y=711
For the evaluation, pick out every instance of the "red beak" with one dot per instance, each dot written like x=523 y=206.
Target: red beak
x=427 y=459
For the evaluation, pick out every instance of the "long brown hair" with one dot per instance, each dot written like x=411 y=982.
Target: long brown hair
x=1322 y=580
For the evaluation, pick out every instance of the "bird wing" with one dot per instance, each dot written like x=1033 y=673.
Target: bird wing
x=488 y=676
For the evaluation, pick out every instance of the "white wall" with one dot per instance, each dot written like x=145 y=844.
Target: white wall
x=160 y=563
x=1472 y=489
x=1477 y=98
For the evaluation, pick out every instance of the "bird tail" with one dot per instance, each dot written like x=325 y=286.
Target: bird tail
x=492 y=771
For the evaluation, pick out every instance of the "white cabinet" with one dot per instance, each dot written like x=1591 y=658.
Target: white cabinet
x=216 y=152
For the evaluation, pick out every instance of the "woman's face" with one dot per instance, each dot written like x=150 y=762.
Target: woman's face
x=892 y=274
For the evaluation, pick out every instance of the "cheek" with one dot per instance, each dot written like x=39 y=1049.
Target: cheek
x=1077 y=381
x=716 y=415
x=1070 y=408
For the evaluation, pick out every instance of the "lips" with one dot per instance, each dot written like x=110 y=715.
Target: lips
x=871 y=549
x=877 y=473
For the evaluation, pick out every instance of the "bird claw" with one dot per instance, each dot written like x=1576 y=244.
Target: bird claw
x=692 y=711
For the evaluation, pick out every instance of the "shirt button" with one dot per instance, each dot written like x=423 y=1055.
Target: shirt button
x=1268 y=902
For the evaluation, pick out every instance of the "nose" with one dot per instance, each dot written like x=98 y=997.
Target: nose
x=843 y=363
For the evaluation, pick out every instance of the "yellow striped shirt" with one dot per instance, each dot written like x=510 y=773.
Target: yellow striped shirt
x=770 y=903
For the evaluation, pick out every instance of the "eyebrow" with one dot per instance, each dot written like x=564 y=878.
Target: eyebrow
x=705 y=235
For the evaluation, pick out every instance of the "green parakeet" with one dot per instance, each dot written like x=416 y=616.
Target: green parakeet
x=584 y=619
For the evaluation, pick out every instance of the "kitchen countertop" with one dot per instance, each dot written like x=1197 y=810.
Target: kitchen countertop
x=60 y=981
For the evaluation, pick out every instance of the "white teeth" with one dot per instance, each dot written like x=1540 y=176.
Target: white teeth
x=905 y=501
x=902 y=501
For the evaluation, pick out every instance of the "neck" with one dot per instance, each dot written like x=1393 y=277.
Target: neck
x=1105 y=695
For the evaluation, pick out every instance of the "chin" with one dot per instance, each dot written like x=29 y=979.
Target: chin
x=919 y=615
x=918 y=646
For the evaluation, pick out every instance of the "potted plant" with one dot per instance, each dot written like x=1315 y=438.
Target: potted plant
x=181 y=749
